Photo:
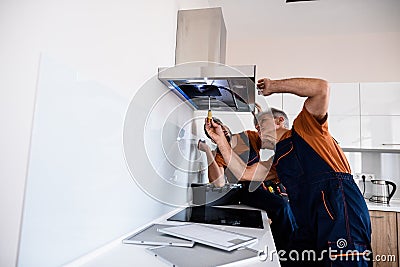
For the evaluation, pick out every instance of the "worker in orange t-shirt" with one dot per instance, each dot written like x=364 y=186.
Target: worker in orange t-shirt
x=330 y=212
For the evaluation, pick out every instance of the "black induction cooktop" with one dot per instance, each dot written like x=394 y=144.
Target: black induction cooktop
x=220 y=216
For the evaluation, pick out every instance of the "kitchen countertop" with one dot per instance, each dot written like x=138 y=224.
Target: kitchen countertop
x=123 y=255
x=393 y=206
x=117 y=254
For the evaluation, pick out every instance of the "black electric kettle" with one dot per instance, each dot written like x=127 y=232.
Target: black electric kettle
x=381 y=192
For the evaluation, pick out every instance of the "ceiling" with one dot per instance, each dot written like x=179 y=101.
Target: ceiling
x=252 y=19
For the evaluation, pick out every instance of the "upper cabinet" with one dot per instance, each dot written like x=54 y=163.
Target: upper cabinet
x=344 y=99
x=380 y=115
x=360 y=115
x=380 y=98
x=382 y=132
x=344 y=114
x=292 y=104
x=272 y=101
x=345 y=130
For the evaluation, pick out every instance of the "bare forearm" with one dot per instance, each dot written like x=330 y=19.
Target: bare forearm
x=256 y=172
x=234 y=163
x=210 y=156
x=316 y=91
x=215 y=172
x=306 y=87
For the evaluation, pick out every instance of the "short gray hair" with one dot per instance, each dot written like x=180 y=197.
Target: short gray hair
x=275 y=113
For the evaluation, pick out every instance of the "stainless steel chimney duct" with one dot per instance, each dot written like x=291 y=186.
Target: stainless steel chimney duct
x=200 y=36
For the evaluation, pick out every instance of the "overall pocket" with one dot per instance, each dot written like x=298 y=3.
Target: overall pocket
x=327 y=206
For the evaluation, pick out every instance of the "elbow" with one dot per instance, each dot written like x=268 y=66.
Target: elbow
x=324 y=87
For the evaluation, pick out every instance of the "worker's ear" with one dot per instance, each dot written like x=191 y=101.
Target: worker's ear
x=279 y=120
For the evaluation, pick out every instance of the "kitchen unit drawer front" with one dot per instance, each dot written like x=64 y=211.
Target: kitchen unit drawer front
x=380 y=132
x=384 y=237
x=380 y=98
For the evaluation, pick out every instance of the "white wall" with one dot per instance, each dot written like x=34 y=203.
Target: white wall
x=346 y=57
x=339 y=40
x=118 y=44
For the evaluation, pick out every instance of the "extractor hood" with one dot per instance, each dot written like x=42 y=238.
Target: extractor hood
x=225 y=88
x=200 y=76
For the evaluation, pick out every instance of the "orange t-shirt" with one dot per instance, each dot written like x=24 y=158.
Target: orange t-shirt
x=318 y=137
x=242 y=146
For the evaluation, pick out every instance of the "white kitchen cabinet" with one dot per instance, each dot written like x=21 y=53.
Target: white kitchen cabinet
x=344 y=99
x=380 y=98
x=381 y=132
x=274 y=101
x=343 y=112
x=291 y=119
x=360 y=115
x=293 y=104
x=345 y=130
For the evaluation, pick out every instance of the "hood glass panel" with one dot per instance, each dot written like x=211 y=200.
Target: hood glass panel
x=222 y=97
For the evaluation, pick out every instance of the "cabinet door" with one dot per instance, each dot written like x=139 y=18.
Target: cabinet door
x=345 y=129
x=292 y=104
x=344 y=99
x=380 y=132
x=380 y=98
x=272 y=101
x=398 y=235
x=384 y=237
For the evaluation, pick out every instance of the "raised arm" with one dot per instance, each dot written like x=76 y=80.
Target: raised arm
x=316 y=91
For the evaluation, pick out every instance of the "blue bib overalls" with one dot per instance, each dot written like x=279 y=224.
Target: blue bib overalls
x=330 y=212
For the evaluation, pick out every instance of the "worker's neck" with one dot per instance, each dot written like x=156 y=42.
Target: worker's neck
x=280 y=132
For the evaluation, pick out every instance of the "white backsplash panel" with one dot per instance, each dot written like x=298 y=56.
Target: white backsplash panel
x=384 y=166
